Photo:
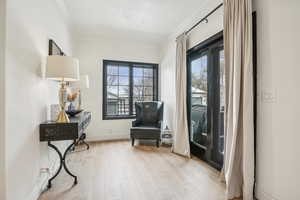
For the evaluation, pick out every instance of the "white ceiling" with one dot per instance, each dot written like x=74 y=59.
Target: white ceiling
x=150 y=17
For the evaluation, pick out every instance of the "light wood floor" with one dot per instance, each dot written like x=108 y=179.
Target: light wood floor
x=117 y=171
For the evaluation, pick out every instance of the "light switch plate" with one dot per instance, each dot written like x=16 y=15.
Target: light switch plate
x=268 y=96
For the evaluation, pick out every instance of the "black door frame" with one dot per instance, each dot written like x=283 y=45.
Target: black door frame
x=205 y=152
x=206 y=43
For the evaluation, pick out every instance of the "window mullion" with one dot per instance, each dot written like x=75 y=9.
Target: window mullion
x=154 y=97
x=104 y=82
x=130 y=89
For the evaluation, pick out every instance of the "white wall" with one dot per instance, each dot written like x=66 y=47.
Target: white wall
x=2 y=106
x=278 y=119
x=168 y=58
x=30 y=24
x=91 y=50
x=278 y=71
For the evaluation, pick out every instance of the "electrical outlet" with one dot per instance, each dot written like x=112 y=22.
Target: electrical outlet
x=45 y=170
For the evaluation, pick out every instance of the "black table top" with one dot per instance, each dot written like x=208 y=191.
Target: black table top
x=53 y=131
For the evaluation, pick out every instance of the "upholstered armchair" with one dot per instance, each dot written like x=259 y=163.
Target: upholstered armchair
x=149 y=116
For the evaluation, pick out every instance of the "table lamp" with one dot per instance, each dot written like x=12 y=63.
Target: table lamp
x=63 y=69
x=84 y=83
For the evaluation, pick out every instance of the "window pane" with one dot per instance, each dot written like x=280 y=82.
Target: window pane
x=123 y=80
x=112 y=92
x=148 y=91
x=148 y=72
x=123 y=71
x=137 y=71
x=138 y=81
x=123 y=106
x=112 y=70
x=222 y=80
x=123 y=91
x=148 y=98
x=199 y=100
x=118 y=107
x=112 y=80
x=112 y=107
x=137 y=92
x=148 y=81
x=137 y=100
x=222 y=101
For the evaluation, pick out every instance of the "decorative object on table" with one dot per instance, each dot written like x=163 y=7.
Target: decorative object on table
x=73 y=113
x=71 y=98
x=84 y=83
x=54 y=49
x=149 y=116
x=75 y=131
x=54 y=111
x=167 y=137
x=62 y=69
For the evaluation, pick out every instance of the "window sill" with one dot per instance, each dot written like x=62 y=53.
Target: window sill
x=118 y=117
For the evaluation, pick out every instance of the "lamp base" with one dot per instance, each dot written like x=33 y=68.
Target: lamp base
x=62 y=117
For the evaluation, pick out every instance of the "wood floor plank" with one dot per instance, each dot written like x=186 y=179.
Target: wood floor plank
x=117 y=171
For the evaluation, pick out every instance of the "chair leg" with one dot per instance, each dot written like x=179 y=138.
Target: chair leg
x=132 y=141
x=157 y=143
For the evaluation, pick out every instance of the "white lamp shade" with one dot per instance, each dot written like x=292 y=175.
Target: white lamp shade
x=82 y=83
x=62 y=68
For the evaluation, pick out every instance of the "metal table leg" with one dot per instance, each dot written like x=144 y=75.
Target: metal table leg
x=83 y=141
x=62 y=162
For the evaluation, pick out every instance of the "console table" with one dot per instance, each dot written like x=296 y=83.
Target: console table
x=74 y=131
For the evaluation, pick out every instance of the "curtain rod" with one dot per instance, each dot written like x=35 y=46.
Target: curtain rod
x=205 y=18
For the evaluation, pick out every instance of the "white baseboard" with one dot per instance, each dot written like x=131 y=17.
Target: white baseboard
x=42 y=181
x=37 y=190
x=262 y=195
x=107 y=137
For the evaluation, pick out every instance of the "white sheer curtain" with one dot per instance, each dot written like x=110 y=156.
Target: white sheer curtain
x=181 y=139
x=239 y=152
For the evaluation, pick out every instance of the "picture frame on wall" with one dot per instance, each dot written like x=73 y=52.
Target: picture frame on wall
x=54 y=49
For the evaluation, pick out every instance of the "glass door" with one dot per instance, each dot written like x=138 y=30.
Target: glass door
x=206 y=101
x=199 y=101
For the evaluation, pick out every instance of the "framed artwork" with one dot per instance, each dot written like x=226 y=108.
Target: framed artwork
x=54 y=49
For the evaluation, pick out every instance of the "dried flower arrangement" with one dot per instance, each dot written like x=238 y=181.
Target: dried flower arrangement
x=72 y=97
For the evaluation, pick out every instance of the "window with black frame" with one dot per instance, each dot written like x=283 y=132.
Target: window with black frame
x=125 y=83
